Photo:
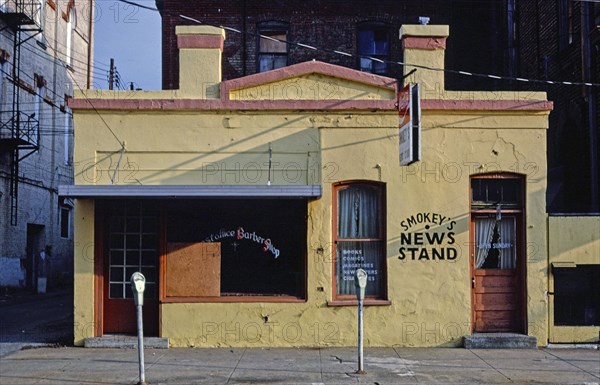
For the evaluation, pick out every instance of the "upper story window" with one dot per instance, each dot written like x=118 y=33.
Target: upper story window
x=71 y=25
x=38 y=17
x=272 y=49
x=373 y=43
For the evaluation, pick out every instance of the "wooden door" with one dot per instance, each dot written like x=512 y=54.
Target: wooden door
x=496 y=281
x=131 y=245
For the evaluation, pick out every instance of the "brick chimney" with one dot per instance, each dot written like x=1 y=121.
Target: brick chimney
x=425 y=45
x=200 y=51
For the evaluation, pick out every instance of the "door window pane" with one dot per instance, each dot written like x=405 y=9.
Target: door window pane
x=125 y=224
x=495 y=246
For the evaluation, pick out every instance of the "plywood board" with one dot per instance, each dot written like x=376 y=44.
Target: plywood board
x=193 y=270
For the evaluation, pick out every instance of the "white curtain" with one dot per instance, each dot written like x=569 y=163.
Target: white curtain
x=484 y=231
x=508 y=255
x=358 y=212
x=358 y=218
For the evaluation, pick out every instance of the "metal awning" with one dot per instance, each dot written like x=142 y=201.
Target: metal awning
x=186 y=191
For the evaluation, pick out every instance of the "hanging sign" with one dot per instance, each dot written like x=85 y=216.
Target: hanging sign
x=409 y=123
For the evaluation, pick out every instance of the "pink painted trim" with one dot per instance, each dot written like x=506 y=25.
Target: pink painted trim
x=200 y=41
x=487 y=105
x=203 y=105
x=260 y=105
x=307 y=68
x=428 y=43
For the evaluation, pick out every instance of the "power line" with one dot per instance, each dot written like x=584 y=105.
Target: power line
x=456 y=72
x=347 y=54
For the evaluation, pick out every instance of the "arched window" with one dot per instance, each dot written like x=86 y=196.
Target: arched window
x=359 y=237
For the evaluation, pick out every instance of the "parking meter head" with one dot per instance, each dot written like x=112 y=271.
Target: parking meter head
x=361 y=283
x=138 y=285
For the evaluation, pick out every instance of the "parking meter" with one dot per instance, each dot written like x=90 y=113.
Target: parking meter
x=361 y=283
x=138 y=285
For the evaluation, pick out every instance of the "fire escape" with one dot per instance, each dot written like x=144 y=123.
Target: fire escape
x=19 y=131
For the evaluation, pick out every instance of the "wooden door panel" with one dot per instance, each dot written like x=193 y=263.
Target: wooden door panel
x=495 y=296
x=479 y=308
x=120 y=317
x=495 y=299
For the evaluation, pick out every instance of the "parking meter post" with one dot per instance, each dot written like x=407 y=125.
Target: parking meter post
x=361 y=284
x=138 y=285
x=140 y=325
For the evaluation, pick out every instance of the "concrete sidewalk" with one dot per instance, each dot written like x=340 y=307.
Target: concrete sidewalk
x=302 y=366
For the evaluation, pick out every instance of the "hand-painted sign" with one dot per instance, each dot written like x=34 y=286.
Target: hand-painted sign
x=241 y=234
x=428 y=245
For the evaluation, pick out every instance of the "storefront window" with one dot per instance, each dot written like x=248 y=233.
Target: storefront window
x=359 y=237
x=262 y=244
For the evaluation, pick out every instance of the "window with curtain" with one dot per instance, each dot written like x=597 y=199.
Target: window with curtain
x=495 y=246
x=359 y=237
x=272 y=49
x=373 y=41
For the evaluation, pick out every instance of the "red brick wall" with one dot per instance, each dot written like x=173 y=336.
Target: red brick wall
x=543 y=56
x=476 y=32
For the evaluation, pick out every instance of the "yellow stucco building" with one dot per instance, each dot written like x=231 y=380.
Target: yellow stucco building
x=249 y=203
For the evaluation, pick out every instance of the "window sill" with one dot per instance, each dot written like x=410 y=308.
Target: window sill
x=232 y=299
x=354 y=302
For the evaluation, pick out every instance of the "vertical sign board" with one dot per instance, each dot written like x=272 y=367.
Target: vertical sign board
x=409 y=122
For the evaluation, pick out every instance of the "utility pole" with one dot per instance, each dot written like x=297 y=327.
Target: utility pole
x=111 y=74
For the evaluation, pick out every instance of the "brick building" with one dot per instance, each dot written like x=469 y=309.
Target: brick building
x=45 y=53
x=560 y=40
x=346 y=26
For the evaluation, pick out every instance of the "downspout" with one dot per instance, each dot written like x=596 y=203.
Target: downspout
x=586 y=61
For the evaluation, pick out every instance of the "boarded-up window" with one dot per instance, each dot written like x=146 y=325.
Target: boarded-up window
x=193 y=270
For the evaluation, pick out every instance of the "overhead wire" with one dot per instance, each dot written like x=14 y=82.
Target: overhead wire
x=400 y=63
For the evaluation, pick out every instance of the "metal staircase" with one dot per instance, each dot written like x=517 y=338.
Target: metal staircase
x=19 y=131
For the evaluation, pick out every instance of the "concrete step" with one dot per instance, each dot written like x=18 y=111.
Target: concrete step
x=125 y=341
x=500 y=341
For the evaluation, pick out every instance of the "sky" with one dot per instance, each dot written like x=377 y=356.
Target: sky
x=132 y=37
